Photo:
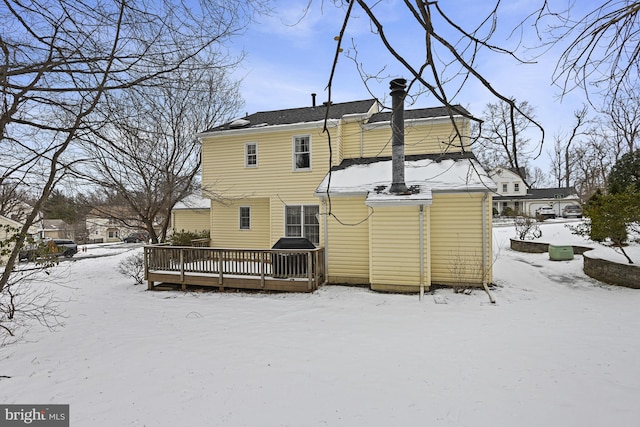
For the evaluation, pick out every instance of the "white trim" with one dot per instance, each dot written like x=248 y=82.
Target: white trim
x=293 y=153
x=240 y=218
x=259 y=128
x=246 y=155
x=413 y=122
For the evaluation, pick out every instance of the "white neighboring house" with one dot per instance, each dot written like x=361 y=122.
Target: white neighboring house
x=513 y=193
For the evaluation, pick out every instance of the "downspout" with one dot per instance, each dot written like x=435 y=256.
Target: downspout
x=361 y=141
x=326 y=240
x=484 y=248
x=421 y=252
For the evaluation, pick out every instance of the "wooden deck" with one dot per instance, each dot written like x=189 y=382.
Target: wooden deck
x=292 y=270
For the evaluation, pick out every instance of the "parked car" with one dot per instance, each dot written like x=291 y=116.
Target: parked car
x=50 y=247
x=545 y=212
x=136 y=238
x=570 y=211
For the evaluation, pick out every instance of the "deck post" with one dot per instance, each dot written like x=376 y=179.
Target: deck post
x=182 y=281
x=262 y=268
x=310 y=269
x=220 y=268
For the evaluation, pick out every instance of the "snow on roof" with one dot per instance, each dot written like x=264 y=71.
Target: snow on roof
x=193 y=201
x=423 y=175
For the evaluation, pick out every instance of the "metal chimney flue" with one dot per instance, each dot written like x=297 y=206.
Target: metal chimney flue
x=313 y=100
x=398 y=94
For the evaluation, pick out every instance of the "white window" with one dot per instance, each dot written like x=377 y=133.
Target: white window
x=245 y=218
x=301 y=152
x=250 y=155
x=504 y=188
x=516 y=187
x=302 y=221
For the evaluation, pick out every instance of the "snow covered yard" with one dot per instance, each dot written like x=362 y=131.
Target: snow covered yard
x=557 y=349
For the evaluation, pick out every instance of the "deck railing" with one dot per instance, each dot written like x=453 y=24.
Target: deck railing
x=256 y=264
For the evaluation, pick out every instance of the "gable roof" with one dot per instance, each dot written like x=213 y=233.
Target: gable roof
x=193 y=201
x=297 y=115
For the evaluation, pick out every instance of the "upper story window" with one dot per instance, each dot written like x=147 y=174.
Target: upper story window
x=245 y=218
x=250 y=155
x=504 y=188
x=301 y=152
x=516 y=187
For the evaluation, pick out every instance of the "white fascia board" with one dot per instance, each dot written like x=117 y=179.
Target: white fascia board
x=413 y=122
x=385 y=199
x=271 y=128
x=341 y=194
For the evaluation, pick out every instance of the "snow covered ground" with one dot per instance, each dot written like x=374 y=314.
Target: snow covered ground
x=557 y=349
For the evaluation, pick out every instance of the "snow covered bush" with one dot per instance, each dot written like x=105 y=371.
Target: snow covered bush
x=527 y=227
x=133 y=266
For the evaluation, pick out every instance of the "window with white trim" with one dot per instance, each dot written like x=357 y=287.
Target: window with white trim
x=302 y=152
x=244 y=214
x=504 y=188
x=250 y=155
x=302 y=221
x=516 y=187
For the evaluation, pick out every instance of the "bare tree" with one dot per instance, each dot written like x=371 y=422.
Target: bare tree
x=503 y=138
x=563 y=157
x=448 y=61
x=603 y=49
x=593 y=161
x=13 y=201
x=623 y=119
x=58 y=61
x=147 y=152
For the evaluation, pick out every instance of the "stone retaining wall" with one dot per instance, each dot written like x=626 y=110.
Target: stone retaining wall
x=612 y=273
x=605 y=271
x=532 y=247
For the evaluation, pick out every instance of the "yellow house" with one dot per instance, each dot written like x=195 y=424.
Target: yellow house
x=291 y=173
x=191 y=214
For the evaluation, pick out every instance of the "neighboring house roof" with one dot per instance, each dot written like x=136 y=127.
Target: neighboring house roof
x=542 y=193
x=424 y=174
x=193 y=201
x=298 y=115
x=54 y=224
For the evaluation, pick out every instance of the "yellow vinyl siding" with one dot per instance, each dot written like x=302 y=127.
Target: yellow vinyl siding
x=224 y=171
x=348 y=246
x=456 y=239
x=225 y=226
x=191 y=220
x=395 y=249
x=424 y=138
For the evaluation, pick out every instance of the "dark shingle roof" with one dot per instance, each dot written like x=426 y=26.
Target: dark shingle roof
x=315 y=114
x=420 y=113
x=550 y=193
x=301 y=115
x=540 y=193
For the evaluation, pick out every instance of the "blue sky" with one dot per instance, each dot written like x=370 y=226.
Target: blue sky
x=289 y=56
